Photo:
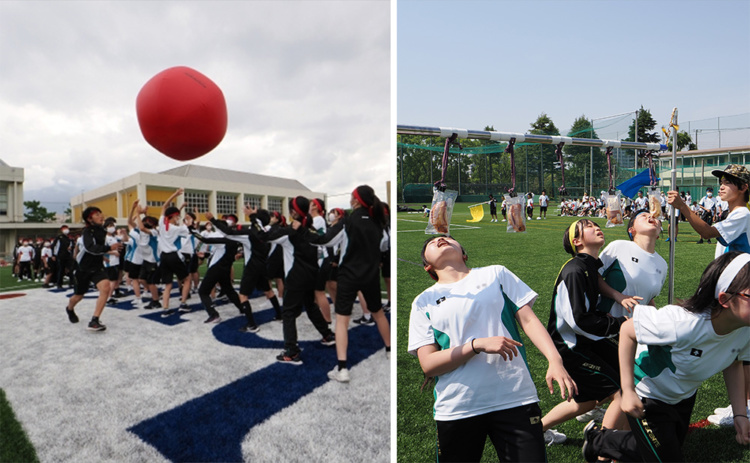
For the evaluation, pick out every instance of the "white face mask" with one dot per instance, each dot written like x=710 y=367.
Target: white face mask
x=709 y=194
x=65 y=231
x=110 y=229
x=230 y=222
x=331 y=218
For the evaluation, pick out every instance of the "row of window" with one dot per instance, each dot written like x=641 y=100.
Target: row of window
x=227 y=204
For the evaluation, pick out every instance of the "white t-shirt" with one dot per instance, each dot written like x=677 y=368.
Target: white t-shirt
x=734 y=232
x=678 y=350
x=170 y=239
x=640 y=203
x=483 y=304
x=543 y=200
x=708 y=203
x=25 y=253
x=148 y=245
x=632 y=271
x=111 y=260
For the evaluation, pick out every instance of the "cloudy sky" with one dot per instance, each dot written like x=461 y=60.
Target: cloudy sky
x=503 y=63
x=307 y=85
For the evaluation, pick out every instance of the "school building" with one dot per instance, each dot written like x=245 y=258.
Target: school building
x=693 y=168
x=219 y=191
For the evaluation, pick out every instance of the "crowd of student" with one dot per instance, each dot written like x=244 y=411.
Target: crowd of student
x=316 y=255
x=605 y=341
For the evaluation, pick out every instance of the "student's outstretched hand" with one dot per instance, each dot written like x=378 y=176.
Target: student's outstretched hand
x=631 y=404
x=506 y=347
x=629 y=302
x=209 y=216
x=568 y=387
x=742 y=426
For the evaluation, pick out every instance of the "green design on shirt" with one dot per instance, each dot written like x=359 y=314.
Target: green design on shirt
x=616 y=279
x=651 y=363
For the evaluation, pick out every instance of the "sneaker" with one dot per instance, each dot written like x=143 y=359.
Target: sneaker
x=153 y=305
x=184 y=307
x=386 y=307
x=168 y=312
x=341 y=376
x=722 y=411
x=112 y=300
x=364 y=321
x=503 y=220
x=700 y=241
x=72 y=315
x=329 y=340
x=95 y=325
x=552 y=437
x=291 y=359
x=213 y=319
x=595 y=414
x=250 y=329
x=722 y=417
x=539 y=218
x=138 y=304
x=589 y=432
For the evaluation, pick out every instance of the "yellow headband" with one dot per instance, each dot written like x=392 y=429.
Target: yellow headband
x=572 y=234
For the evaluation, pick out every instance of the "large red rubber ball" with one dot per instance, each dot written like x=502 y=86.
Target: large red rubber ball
x=182 y=113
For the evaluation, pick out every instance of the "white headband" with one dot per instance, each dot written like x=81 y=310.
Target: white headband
x=727 y=276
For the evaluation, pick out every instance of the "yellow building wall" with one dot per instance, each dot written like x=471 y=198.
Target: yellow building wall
x=76 y=214
x=107 y=205
x=157 y=196
x=127 y=202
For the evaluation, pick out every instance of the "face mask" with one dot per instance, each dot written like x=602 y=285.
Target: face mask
x=46 y=245
x=709 y=194
x=65 y=231
x=230 y=222
x=110 y=229
x=25 y=243
x=331 y=218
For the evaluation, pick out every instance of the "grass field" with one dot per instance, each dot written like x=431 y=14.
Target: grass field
x=536 y=257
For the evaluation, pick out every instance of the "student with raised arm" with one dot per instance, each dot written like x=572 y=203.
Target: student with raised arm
x=464 y=331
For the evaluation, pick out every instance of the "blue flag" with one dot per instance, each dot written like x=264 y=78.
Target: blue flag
x=631 y=186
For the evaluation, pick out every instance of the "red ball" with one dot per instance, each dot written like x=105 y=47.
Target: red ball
x=182 y=113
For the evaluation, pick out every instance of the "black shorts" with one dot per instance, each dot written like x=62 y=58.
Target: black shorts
x=346 y=293
x=275 y=264
x=542 y=208
x=190 y=261
x=133 y=270
x=254 y=277
x=324 y=274
x=85 y=279
x=170 y=264
x=515 y=433
x=113 y=272
x=595 y=369
x=148 y=273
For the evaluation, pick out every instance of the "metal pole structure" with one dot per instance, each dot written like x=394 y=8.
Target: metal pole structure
x=672 y=215
x=635 y=139
x=525 y=138
x=591 y=155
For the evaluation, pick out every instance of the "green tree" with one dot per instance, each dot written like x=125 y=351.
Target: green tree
x=542 y=158
x=683 y=141
x=35 y=212
x=68 y=212
x=646 y=123
x=578 y=158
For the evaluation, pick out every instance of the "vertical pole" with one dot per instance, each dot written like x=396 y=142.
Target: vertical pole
x=672 y=221
x=591 y=155
x=635 y=138
x=526 y=161
x=541 y=169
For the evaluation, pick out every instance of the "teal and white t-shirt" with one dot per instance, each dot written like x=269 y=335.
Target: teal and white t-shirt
x=483 y=304
x=734 y=232
x=678 y=350
x=631 y=271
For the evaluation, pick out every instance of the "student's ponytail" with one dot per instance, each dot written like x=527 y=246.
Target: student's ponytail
x=375 y=209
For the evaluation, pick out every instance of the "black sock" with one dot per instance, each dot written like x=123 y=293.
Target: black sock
x=342 y=365
x=95 y=319
x=248 y=311
x=275 y=303
x=387 y=348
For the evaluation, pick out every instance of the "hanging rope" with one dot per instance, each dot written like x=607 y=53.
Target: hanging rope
x=440 y=184
x=609 y=170
x=511 y=149
x=651 y=172
x=558 y=151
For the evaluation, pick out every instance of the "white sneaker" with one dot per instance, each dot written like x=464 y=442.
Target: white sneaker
x=725 y=420
x=341 y=376
x=539 y=218
x=503 y=220
x=596 y=414
x=723 y=411
x=552 y=437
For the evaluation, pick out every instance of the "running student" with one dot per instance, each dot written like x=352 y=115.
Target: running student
x=91 y=267
x=464 y=331
x=709 y=333
x=584 y=337
x=360 y=235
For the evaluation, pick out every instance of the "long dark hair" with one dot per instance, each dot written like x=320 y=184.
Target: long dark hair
x=580 y=225
x=375 y=208
x=703 y=301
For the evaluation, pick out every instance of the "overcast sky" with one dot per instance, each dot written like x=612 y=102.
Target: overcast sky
x=307 y=86
x=503 y=63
